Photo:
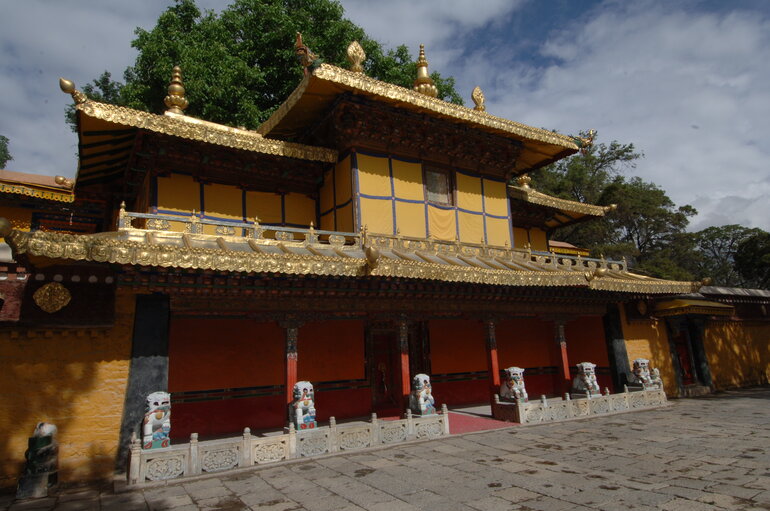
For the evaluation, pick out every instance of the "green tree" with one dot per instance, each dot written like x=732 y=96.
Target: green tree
x=5 y=156
x=752 y=260
x=714 y=254
x=102 y=89
x=239 y=65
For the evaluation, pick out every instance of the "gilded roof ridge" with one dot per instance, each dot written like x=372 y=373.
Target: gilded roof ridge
x=192 y=128
x=364 y=83
x=533 y=196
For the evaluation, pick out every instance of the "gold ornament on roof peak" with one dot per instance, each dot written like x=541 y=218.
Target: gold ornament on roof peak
x=524 y=181
x=356 y=57
x=307 y=59
x=478 y=99
x=175 y=101
x=585 y=142
x=424 y=83
x=68 y=87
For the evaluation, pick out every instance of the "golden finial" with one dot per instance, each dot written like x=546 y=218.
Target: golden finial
x=175 y=101
x=478 y=99
x=356 y=57
x=68 y=87
x=63 y=181
x=524 y=181
x=424 y=83
x=585 y=142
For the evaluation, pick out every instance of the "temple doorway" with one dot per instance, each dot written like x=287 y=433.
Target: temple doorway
x=384 y=369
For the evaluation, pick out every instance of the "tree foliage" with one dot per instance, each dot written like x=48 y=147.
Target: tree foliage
x=239 y=65
x=5 y=155
x=752 y=258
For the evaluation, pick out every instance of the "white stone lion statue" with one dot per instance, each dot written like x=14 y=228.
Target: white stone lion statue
x=156 y=426
x=302 y=409
x=585 y=380
x=513 y=388
x=421 y=400
x=642 y=376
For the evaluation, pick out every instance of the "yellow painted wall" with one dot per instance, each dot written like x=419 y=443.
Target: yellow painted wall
x=648 y=339
x=335 y=196
x=738 y=352
x=73 y=379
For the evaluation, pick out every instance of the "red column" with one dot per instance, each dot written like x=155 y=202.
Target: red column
x=292 y=331
x=493 y=365
x=403 y=348
x=564 y=369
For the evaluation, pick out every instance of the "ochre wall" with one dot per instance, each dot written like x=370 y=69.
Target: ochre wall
x=534 y=237
x=75 y=379
x=336 y=198
x=392 y=197
x=648 y=339
x=738 y=352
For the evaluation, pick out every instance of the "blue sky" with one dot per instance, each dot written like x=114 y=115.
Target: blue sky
x=686 y=82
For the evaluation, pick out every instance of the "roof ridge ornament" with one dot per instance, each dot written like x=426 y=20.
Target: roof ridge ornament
x=68 y=87
x=424 y=83
x=478 y=99
x=176 y=100
x=356 y=57
x=307 y=59
x=523 y=181
x=584 y=143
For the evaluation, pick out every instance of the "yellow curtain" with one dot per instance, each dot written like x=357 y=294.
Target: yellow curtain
x=377 y=215
x=471 y=227
x=410 y=219
x=343 y=181
x=538 y=239
x=441 y=223
x=326 y=195
x=468 y=193
x=178 y=193
x=345 y=219
x=497 y=232
x=264 y=205
x=373 y=175
x=407 y=180
x=223 y=201
x=495 y=198
x=299 y=209
x=520 y=237
x=327 y=221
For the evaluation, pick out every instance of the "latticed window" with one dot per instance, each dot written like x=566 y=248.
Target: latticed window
x=438 y=186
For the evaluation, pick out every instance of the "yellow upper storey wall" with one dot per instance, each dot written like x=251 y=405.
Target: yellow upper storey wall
x=391 y=198
x=181 y=194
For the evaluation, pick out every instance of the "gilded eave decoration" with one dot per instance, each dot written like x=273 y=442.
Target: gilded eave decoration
x=358 y=82
x=531 y=196
x=38 y=193
x=385 y=256
x=191 y=128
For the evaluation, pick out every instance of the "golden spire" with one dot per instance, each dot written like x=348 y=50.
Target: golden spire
x=478 y=98
x=524 y=181
x=424 y=83
x=356 y=57
x=175 y=101
x=68 y=87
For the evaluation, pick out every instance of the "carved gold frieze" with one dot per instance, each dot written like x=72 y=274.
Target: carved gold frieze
x=52 y=297
x=525 y=193
x=38 y=193
x=203 y=131
x=515 y=268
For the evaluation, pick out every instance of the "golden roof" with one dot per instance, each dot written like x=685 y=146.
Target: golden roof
x=38 y=186
x=564 y=211
x=339 y=254
x=318 y=89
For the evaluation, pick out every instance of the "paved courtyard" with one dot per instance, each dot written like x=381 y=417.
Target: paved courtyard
x=698 y=454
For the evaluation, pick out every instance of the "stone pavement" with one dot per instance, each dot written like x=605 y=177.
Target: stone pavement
x=699 y=454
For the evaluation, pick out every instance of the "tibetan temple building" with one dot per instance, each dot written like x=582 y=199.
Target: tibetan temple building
x=363 y=234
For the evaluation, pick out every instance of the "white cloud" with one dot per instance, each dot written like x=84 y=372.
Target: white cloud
x=687 y=88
